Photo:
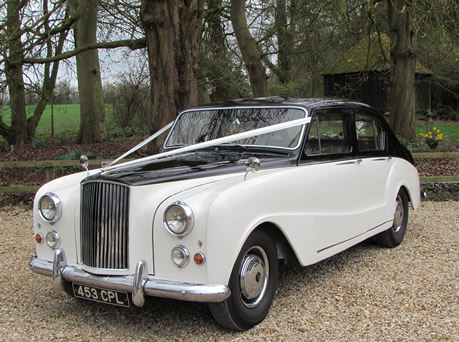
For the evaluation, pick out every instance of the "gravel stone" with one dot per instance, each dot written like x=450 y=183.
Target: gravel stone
x=368 y=293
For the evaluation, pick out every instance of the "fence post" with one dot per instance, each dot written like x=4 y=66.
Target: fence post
x=50 y=173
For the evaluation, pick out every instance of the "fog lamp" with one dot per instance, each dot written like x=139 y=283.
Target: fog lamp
x=52 y=239
x=180 y=256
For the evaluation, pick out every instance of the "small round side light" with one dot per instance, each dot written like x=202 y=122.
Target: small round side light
x=199 y=258
x=39 y=238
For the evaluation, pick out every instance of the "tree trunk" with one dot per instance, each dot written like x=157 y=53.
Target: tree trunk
x=92 y=110
x=221 y=74
x=284 y=41
x=249 y=49
x=17 y=133
x=171 y=28
x=403 y=58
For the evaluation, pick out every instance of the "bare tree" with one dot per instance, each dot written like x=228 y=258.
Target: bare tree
x=249 y=49
x=50 y=71
x=16 y=133
x=285 y=42
x=28 y=36
x=31 y=38
x=92 y=110
x=403 y=57
x=130 y=97
x=171 y=29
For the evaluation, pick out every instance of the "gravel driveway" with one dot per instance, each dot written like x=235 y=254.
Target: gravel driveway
x=368 y=293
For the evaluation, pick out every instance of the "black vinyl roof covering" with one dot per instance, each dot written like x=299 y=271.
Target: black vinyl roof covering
x=273 y=101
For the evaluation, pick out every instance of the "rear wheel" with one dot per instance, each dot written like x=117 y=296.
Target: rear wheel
x=252 y=283
x=393 y=236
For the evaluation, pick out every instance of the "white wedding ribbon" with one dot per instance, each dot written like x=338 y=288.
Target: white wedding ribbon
x=210 y=143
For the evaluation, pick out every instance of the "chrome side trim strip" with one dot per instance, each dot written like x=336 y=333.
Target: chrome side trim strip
x=352 y=238
x=151 y=287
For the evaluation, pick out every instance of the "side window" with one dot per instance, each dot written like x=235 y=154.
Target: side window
x=328 y=134
x=370 y=134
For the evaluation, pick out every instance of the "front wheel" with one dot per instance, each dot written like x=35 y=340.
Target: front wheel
x=252 y=283
x=393 y=236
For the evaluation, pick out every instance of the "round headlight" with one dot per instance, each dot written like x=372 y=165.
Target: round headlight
x=179 y=219
x=180 y=256
x=50 y=207
x=52 y=239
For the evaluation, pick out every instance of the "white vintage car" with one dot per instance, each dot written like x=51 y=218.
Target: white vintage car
x=237 y=188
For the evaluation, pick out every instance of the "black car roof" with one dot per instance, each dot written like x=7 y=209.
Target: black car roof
x=307 y=103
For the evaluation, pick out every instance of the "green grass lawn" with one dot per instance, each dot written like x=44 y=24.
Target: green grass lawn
x=66 y=119
x=450 y=130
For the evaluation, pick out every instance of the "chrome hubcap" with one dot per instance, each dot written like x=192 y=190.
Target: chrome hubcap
x=399 y=213
x=253 y=276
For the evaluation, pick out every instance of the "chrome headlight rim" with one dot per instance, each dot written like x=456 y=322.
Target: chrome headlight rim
x=53 y=240
x=187 y=215
x=57 y=208
x=183 y=251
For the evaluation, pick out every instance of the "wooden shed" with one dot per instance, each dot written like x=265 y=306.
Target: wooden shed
x=363 y=74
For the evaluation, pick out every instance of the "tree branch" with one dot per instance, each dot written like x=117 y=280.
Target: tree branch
x=131 y=44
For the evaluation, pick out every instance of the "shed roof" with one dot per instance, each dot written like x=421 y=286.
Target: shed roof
x=370 y=54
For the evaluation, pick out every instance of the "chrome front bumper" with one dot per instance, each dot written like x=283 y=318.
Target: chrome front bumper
x=139 y=284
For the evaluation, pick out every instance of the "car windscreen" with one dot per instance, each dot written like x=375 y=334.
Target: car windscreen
x=198 y=126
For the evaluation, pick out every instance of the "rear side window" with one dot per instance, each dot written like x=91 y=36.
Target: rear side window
x=370 y=134
x=328 y=134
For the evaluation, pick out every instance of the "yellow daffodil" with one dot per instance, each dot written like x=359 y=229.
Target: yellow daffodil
x=433 y=137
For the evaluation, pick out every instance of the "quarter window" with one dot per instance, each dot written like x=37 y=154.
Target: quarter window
x=369 y=133
x=328 y=134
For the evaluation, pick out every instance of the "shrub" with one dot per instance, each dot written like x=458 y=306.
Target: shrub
x=411 y=146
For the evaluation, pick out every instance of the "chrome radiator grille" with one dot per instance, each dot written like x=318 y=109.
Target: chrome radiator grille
x=105 y=225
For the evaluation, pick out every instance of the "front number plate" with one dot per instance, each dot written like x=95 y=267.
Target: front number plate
x=101 y=295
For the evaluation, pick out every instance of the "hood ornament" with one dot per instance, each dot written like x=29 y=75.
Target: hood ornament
x=252 y=164
x=84 y=163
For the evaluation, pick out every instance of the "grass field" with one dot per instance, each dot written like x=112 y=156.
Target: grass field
x=66 y=119
x=450 y=130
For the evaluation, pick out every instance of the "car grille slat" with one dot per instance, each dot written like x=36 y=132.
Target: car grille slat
x=104 y=225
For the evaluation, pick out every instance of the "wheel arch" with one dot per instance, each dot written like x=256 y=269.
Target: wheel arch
x=284 y=249
x=404 y=176
x=406 y=189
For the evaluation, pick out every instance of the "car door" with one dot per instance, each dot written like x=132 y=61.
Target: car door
x=341 y=199
x=375 y=164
